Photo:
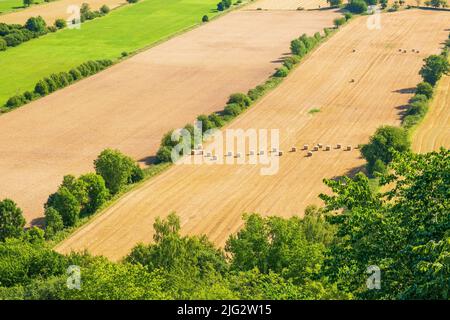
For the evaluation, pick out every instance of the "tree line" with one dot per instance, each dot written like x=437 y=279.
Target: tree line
x=402 y=232
x=57 y=81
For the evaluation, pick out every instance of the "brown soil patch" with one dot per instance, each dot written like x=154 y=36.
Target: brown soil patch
x=210 y=199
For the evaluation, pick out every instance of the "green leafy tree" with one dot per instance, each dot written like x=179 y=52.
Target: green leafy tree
x=356 y=6
x=67 y=205
x=53 y=222
x=115 y=168
x=402 y=231
x=96 y=190
x=424 y=88
x=11 y=220
x=36 y=24
x=383 y=144
x=435 y=66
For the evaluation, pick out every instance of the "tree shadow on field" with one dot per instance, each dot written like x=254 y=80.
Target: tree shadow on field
x=406 y=90
x=351 y=173
x=327 y=9
x=402 y=110
x=148 y=160
x=38 y=222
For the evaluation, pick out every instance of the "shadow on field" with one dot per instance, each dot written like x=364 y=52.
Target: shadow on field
x=148 y=160
x=406 y=90
x=352 y=172
x=38 y=222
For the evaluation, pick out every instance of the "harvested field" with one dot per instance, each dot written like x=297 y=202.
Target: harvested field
x=55 y=10
x=210 y=199
x=287 y=4
x=434 y=131
x=132 y=104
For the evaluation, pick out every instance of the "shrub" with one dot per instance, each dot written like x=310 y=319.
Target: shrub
x=52 y=29
x=41 y=88
x=16 y=101
x=164 y=154
x=3 y=44
x=207 y=124
x=36 y=24
x=220 y=6
x=356 y=6
x=132 y=1
x=239 y=98
x=205 y=18
x=233 y=109
x=317 y=36
x=76 y=75
x=14 y=39
x=60 y=23
x=378 y=167
x=348 y=16
x=291 y=61
x=419 y=98
x=424 y=88
x=298 y=48
x=339 y=22
x=216 y=120
x=104 y=9
x=282 y=72
x=309 y=42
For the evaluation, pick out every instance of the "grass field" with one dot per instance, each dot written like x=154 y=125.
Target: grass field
x=11 y=5
x=127 y=29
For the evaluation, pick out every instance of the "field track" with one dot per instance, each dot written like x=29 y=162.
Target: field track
x=210 y=199
x=132 y=104
x=55 y=10
x=434 y=131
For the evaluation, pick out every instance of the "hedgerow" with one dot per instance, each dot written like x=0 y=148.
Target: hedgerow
x=57 y=81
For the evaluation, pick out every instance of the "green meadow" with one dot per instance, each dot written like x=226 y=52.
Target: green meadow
x=126 y=29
